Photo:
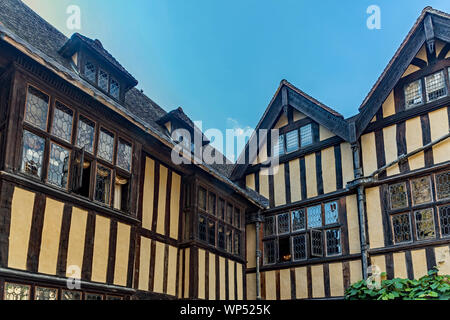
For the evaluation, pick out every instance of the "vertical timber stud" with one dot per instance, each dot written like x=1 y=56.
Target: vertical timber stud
x=429 y=36
x=258 y=255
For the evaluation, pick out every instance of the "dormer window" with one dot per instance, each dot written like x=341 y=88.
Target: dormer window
x=413 y=94
x=103 y=80
x=435 y=86
x=114 y=88
x=90 y=71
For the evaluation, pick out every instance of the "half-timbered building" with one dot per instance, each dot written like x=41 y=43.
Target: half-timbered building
x=93 y=207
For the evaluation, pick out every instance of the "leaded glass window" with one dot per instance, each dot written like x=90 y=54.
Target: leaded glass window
x=413 y=94
x=331 y=212
x=425 y=224
x=314 y=216
x=103 y=80
x=237 y=217
x=93 y=296
x=269 y=252
x=444 y=217
x=237 y=243
x=114 y=89
x=62 y=122
x=58 y=168
x=269 y=226
x=229 y=236
x=398 y=196
x=90 y=71
x=202 y=228
x=316 y=243
x=221 y=206
x=113 y=298
x=435 y=86
x=106 y=145
x=70 y=295
x=298 y=220
x=229 y=213
x=401 y=226
x=37 y=108
x=42 y=293
x=86 y=134
x=202 y=198
x=14 y=291
x=221 y=236
x=103 y=185
x=292 y=141
x=32 y=154
x=306 y=137
x=124 y=155
x=212 y=203
x=278 y=148
x=421 y=190
x=443 y=185
x=283 y=223
x=211 y=232
x=333 y=241
x=299 y=247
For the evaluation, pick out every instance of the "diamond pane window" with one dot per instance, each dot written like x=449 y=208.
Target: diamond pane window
x=114 y=89
x=229 y=237
x=45 y=293
x=211 y=232
x=86 y=134
x=421 y=190
x=398 y=196
x=314 y=216
x=103 y=80
x=331 y=212
x=70 y=295
x=202 y=198
x=90 y=71
x=103 y=185
x=212 y=203
x=221 y=236
x=298 y=220
x=401 y=226
x=413 y=94
x=237 y=217
x=14 y=291
x=316 y=243
x=299 y=247
x=443 y=185
x=37 y=108
x=237 y=243
x=106 y=145
x=269 y=226
x=444 y=217
x=292 y=141
x=62 y=122
x=278 y=148
x=425 y=224
x=124 y=155
x=269 y=252
x=306 y=137
x=435 y=86
x=333 y=241
x=32 y=154
x=283 y=223
x=58 y=168
x=202 y=228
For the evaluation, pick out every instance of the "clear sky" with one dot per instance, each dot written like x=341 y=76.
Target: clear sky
x=222 y=60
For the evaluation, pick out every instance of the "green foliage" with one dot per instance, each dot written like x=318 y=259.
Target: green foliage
x=430 y=287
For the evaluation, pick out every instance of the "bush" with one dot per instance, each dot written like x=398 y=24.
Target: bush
x=430 y=287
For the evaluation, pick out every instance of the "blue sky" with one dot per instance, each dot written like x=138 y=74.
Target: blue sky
x=223 y=60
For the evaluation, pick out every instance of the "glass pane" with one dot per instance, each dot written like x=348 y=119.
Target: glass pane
x=443 y=185
x=202 y=228
x=306 y=137
x=93 y=296
x=37 y=108
x=229 y=236
x=14 y=291
x=421 y=190
x=299 y=247
x=269 y=226
x=229 y=213
x=401 y=227
x=70 y=295
x=106 y=145
x=237 y=243
x=211 y=232
x=124 y=155
x=103 y=80
x=413 y=94
x=292 y=141
x=222 y=209
x=46 y=294
x=202 y=198
x=333 y=241
x=435 y=86
x=90 y=71
x=316 y=243
x=113 y=298
x=314 y=217
x=86 y=133
x=283 y=223
x=444 y=217
x=221 y=236
x=278 y=148
x=331 y=212
x=114 y=89
x=298 y=220
x=269 y=252
x=425 y=224
x=212 y=203
x=237 y=218
x=103 y=184
x=398 y=196
x=32 y=153
x=58 y=169
x=62 y=122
